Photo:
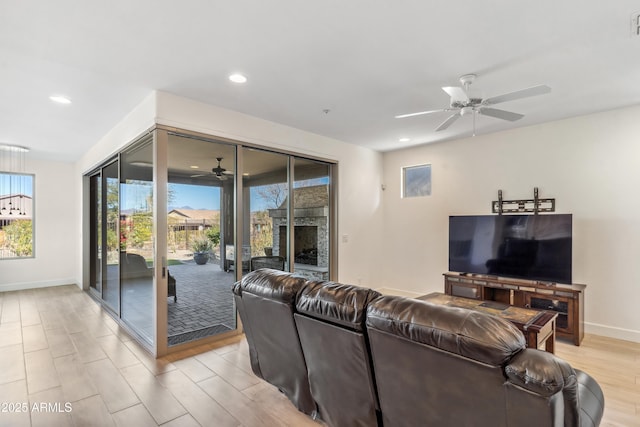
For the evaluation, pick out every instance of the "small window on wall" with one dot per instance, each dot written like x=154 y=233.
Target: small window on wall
x=16 y=215
x=416 y=181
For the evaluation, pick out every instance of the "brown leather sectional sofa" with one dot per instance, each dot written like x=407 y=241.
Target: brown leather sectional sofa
x=352 y=357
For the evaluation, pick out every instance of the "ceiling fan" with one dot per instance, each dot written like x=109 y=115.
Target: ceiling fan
x=219 y=172
x=462 y=104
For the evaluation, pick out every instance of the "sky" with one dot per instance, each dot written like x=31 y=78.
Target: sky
x=195 y=196
x=19 y=184
x=204 y=197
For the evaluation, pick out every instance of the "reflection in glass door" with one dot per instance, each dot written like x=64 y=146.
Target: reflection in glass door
x=95 y=240
x=200 y=238
x=111 y=261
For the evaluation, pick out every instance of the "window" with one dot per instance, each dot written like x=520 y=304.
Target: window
x=416 y=181
x=16 y=215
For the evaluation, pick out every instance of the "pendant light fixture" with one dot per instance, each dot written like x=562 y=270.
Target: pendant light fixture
x=15 y=198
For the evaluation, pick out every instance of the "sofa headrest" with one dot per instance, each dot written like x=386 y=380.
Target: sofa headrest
x=475 y=335
x=345 y=305
x=272 y=284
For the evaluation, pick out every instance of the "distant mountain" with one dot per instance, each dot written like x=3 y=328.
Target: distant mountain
x=179 y=207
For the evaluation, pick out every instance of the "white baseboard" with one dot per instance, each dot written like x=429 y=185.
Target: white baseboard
x=400 y=292
x=612 y=332
x=34 y=285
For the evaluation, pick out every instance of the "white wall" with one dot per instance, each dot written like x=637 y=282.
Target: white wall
x=589 y=164
x=130 y=127
x=360 y=170
x=55 y=221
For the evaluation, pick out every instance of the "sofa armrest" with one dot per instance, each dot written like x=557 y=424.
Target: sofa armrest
x=237 y=289
x=540 y=372
x=591 y=400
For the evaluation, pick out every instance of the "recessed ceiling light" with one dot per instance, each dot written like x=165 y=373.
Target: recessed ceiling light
x=237 y=78
x=60 y=99
x=194 y=167
x=404 y=139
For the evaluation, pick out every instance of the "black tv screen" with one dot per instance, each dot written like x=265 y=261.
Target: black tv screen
x=534 y=247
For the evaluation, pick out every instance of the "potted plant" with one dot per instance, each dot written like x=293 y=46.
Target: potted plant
x=201 y=247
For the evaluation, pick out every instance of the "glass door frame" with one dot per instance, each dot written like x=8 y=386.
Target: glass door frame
x=101 y=178
x=161 y=149
x=95 y=212
x=160 y=225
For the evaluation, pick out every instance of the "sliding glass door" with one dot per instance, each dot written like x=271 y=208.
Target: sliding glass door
x=265 y=237
x=193 y=214
x=312 y=214
x=95 y=234
x=281 y=191
x=104 y=246
x=111 y=202
x=200 y=238
x=136 y=238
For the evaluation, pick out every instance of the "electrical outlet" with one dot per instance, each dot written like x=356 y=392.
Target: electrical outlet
x=635 y=24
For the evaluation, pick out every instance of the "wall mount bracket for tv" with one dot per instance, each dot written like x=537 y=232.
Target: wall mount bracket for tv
x=535 y=205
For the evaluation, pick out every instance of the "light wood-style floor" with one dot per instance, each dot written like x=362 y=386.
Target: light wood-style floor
x=57 y=348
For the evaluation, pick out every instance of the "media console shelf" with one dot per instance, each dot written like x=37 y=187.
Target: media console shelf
x=566 y=300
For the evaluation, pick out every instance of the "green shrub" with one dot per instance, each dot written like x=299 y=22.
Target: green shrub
x=213 y=234
x=19 y=237
x=201 y=244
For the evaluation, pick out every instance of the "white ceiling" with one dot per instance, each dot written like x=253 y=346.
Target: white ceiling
x=364 y=60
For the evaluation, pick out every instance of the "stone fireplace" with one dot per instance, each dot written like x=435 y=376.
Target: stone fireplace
x=311 y=232
x=306 y=243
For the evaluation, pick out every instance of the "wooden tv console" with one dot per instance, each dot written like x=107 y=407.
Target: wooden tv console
x=566 y=300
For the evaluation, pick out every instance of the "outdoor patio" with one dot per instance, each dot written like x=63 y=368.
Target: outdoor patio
x=205 y=304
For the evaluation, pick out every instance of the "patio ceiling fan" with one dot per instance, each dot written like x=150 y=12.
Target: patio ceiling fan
x=461 y=104
x=219 y=172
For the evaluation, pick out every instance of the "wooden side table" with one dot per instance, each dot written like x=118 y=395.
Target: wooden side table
x=538 y=326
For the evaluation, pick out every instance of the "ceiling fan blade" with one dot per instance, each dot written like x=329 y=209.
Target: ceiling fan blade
x=448 y=122
x=500 y=114
x=518 y=94
x=199 y=175
x=456 y=93
x=420 y=113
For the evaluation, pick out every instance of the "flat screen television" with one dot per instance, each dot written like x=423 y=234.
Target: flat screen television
x=533 y=247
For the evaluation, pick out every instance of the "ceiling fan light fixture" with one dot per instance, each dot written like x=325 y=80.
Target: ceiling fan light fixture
x=463 y=105
x=467 y=79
